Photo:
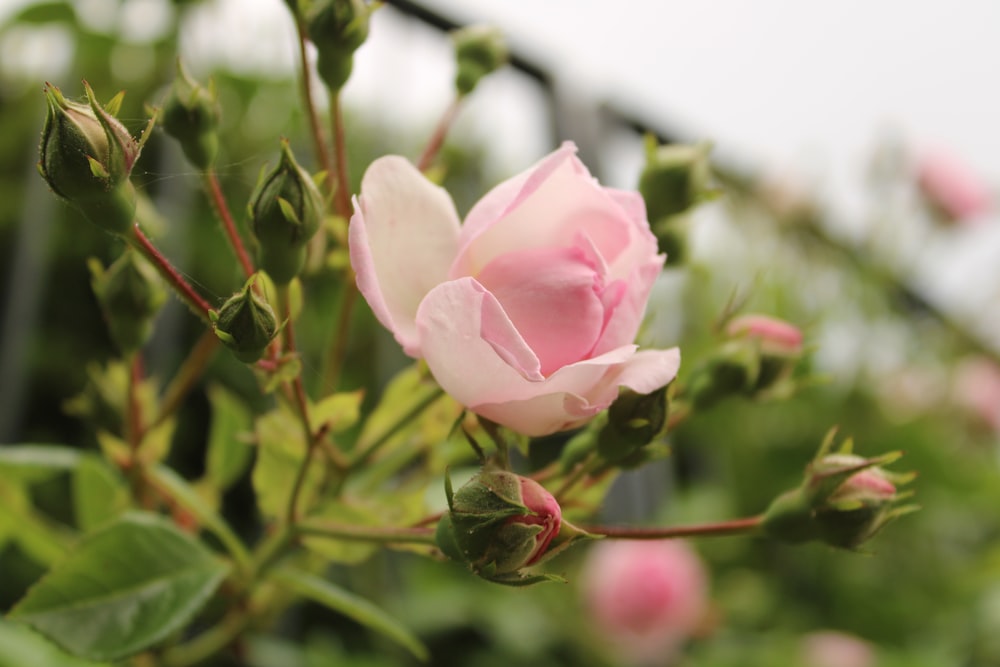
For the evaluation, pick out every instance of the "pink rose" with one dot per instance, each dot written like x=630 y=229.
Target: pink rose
x=527 y=312
x=953 y=188
x=645 y=597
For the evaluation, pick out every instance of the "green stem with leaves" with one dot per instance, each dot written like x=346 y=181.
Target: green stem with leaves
x=366 y=448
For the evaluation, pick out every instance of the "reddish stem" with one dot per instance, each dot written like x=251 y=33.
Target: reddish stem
x=342 y=200
x=440 y=132
x=222 y=209
x=170 y=274
x=319 y=141
x=721 y=528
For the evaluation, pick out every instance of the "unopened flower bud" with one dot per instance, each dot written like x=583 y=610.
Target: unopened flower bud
x=954 y=191
x=285 y=212
x=645 y=598
x=499 y=523
x=246 y=324
x=843 y=501
x=479 y=51
x=87 y=157
x=634 y=420
x=130 y=294
x=675 y=178
x=337 y=28
x=776 y=337
x=191 y=116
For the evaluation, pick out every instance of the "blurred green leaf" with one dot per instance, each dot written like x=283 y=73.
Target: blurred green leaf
x=340 y=411
x=124 y=589
x=36 y=463
x=99 y=493
x=21 y=647
x=353 y=606
x=228 y=453
x=281 y=448
x=46 y=12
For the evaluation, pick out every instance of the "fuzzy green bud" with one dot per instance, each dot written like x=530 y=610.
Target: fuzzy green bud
x=337 y=28
x=479 y=51
x=130 y=294
x=246 y=323
x=499 y=523
x=285 y=211
x=191 y=116
x=675 y=179
x=634 y=420
x=86 y=157
x=844 y=499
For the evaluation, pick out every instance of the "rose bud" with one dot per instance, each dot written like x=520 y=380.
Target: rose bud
x=499 y=523
x=337 y=28
x=527 y=313
x=952 y=188
x=479 y=51
x=87 y=156
x=676 y=178
x=191 y=115
x=634 y=420
x=130 y=294
x=246 y=323
x=645 y=598
x=844 y=499
x=759 y=357
x=285 y=211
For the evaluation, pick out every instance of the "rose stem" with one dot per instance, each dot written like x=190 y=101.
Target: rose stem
x=342 y=198
x=440 y=132
x=134 y=428
x=186 y=293
x=366 y=449
x=719 y=529
x=222 y=210
x=319 y=141
x=366 y=533
x=187 y=375
x=341 y=333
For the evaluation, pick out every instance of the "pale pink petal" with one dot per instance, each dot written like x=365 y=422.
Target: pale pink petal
x=557 y=201
x=541 y=415
x=403 y=237
x=623 y=325
x=450 y=323
x=553 y=297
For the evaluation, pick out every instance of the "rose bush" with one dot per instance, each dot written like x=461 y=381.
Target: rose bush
x=527 y=312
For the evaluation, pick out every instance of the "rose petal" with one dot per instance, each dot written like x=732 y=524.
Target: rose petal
x=553 y=297
x=623 y=324
x=554 y=201
x=403 y=237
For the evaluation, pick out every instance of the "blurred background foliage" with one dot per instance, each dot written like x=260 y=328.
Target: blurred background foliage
x=926 y=593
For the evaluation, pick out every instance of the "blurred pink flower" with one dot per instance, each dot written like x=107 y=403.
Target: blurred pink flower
x=836 y=649
x=952 y=187
x=976 y=388
x=776 y=336
x=645 y=597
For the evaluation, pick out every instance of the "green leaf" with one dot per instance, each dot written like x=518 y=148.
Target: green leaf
x=188 y=498
x=357 y=608
x=281 y=448
x=40 y=538
x=340 y=411
x=99 y=493
x=36 y=463
x=228 y=452
x=124 y=589
x=20 y=647
x=47 y=12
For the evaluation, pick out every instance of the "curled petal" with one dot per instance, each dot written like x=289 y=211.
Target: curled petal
x=403 y=237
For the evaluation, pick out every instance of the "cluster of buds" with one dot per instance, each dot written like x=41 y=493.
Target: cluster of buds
x=87 y=157
x=675 y=179
x=844 y=499
x=479 y=51
x=286 y=210
x=757 y=358
x=499 y=523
